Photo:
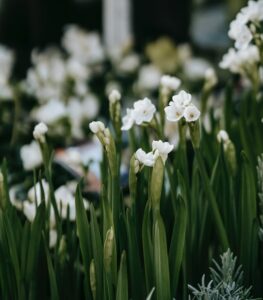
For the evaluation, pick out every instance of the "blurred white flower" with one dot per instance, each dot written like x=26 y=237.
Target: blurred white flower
x=50 y=112
x=53 y=236
x=210 y=78
x=40 y=131
x=97 y=126
x=77 y=70
x=143 y=111
x=149 y=77
x=83 y=46
x=146 y=159
x=222 y=136
x=65 y=200
x=114 y=96
x=7 y=58
x=239 y=31
x=127 y=120
x=31 y=156
x=128 y=64
x=90 y=106
x=240 y=61
x=191 y=113
x=194 y=68
x=164 y=148
x=253 y=11
x=34 y=193
x=29 y=210
x=169 y=83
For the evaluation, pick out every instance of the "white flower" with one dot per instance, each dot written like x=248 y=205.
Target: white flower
x=128 y=64
x=77 y=70
x=240 y=61
x=53 y=236
x=65 y=200
x=147 y=159
x=34 y=193
x=170 y=83
x=174 y=112
x=253 y=11
x=96 y=126
x=31 y=156
x=182 y=98
x=210 y=78
x=222 y=136
x=127 y=121
x=191 y=113
x=194 y=68
x=50 y=112
x=29 y=210
x=6 y=61
x=114 y=96
x=39 y=132
x=164 y=148
x=149 y=78
x=240 y=32
x=143 y=111
x=83 y=46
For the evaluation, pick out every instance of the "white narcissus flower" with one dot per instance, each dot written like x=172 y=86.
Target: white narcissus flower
x=182 y=98
x=174 y=112
x=53 y=236
x=194 y=68
x=96 y=126
x=210 y=78
x=31 y=156
x=222 y=136
x=127 y=120
x=114 y=96
x=40 y=131
x=143 y=111
x=66 y=201
x=240 y=61
x=34 y=193
x=170 y=83
x=164 y=148
x=50 y=112
x=191 y=113
x=149 y=77
x=29 y=210
x=146 y=159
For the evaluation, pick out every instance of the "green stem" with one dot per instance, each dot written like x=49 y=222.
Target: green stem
x=211 y=197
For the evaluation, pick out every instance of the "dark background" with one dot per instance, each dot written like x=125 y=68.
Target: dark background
x=25 y=24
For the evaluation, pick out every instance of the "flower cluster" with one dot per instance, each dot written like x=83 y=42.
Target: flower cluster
x=142 y=112
x=181 y=107
x=65 y=201
x=248 y=42
x=159 y=149
x=59 y=81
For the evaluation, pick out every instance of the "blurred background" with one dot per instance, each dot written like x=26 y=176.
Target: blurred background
x=27 y=24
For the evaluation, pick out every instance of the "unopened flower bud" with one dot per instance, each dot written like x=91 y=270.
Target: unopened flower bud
x=96 y=126
x=92 y=274
x=39 y=132
x=114 y=96
x=108 y=249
